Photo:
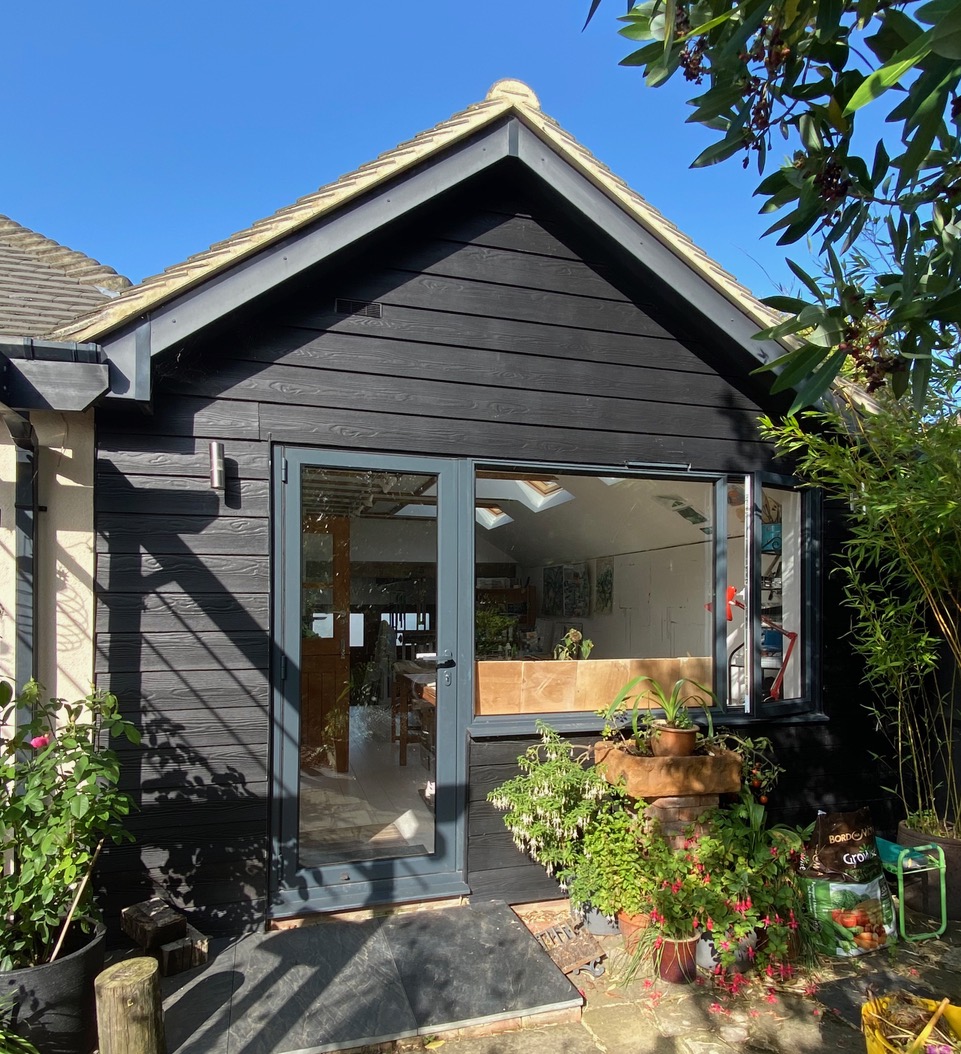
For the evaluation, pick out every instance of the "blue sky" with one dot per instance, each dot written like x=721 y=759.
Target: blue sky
x=141 y=132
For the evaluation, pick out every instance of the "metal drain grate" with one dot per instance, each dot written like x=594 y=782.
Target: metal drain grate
x=572 y=950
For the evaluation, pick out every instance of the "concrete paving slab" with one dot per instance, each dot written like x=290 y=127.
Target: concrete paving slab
x=626 y=1030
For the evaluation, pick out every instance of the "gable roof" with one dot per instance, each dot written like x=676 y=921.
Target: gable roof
x=505 y=98
x=44 y=285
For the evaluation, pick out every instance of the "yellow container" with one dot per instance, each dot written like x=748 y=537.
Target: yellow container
x=876 y=1042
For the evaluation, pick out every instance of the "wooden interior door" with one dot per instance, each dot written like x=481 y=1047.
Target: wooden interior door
x=325 y=643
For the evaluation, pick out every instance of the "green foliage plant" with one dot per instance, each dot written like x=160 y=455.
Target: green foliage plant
x=899 y=472
x=801 y=74
x=611 y=874
x=676 y=706
x=58 y=802
x=553 y=802
x=754 y=870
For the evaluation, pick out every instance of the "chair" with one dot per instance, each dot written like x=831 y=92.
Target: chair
x=899 y=860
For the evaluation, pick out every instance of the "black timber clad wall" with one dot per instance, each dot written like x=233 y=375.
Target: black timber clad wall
x=496 y=339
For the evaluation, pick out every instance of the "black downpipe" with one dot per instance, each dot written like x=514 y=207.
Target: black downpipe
x=25 y=523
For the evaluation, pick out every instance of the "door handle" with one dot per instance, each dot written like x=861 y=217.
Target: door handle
x=445 y=664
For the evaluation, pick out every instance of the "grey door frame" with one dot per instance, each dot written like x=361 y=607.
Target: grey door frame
x=297 y=890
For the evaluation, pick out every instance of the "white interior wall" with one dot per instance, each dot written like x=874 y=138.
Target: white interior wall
x=658 y=609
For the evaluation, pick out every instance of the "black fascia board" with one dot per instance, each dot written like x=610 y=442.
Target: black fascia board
x=51 y=375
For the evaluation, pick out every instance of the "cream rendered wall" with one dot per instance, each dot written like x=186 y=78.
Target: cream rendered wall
x=64 y=553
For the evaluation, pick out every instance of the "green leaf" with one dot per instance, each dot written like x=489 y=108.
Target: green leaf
x=718 y=152
x=878 y=82
x=784 y=303
x=819 y=382
x=810 y=284
x=800 y=364
x=946 y=41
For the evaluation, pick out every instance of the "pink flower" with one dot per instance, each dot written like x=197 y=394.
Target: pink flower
x=39 y=742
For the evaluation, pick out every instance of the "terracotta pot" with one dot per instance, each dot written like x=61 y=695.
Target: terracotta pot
x=54 y=1003
x=632 y=928
x=677 y=960
x=922 y=892
x=670 y=742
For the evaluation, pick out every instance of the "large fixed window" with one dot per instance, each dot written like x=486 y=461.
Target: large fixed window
x=666 y=576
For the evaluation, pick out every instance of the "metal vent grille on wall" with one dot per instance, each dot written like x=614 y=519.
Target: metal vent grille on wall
x=358 y=307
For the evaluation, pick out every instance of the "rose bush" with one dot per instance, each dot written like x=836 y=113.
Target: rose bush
x=59 y=801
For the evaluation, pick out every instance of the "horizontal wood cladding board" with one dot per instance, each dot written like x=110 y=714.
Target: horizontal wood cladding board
x=490 y=300
x=202 y=418
x=375 y=356
x=238 y=891
x=180 y=456
x=536 y=271
x=497 y=439
x=187 y=857
x=196 y=796
x=370 y=393
x=505 y=752
x=118 y=532
x=167 y=691
x=520 y=233
x=182 y=572
x=489 y=852
x=249 y=813
x=202 y=728
x=223 y=765
x=149 y=612
x=450 y=329
x=172 y=496
x=515 y=885
x=182 y=650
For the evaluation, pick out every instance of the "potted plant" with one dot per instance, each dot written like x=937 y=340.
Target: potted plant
x=758 y=905
x=59 y=802
x=628 y=755
x=573 y=645
x=674 y=734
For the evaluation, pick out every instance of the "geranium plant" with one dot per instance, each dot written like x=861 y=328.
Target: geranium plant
x=59 y=801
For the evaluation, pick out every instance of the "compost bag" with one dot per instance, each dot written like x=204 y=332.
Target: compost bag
x=845 y=887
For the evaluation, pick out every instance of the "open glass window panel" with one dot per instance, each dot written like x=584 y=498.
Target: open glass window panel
x=780 y=597
x=584 y=582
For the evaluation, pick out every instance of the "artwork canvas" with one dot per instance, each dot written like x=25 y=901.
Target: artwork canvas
x=604 y=586
x=553 y=591
x=577 y=591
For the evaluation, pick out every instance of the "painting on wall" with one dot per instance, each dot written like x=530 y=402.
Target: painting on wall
x=577 y=591
x=604 y=586
x=553 y=591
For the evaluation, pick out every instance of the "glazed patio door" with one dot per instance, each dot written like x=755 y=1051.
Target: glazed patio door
x=366 y=759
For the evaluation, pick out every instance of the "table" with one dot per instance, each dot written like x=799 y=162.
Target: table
x=409 y=685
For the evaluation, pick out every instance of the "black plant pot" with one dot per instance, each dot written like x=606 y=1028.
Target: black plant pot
x=53 y=1005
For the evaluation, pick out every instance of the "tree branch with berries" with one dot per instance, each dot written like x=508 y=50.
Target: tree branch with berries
x=884 y=211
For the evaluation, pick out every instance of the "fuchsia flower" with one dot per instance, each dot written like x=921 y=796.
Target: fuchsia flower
x=39 y=742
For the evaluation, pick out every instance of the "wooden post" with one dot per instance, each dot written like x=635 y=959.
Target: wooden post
x=129 y=1013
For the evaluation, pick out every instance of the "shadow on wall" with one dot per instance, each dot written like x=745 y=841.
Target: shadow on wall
x=182 y=640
